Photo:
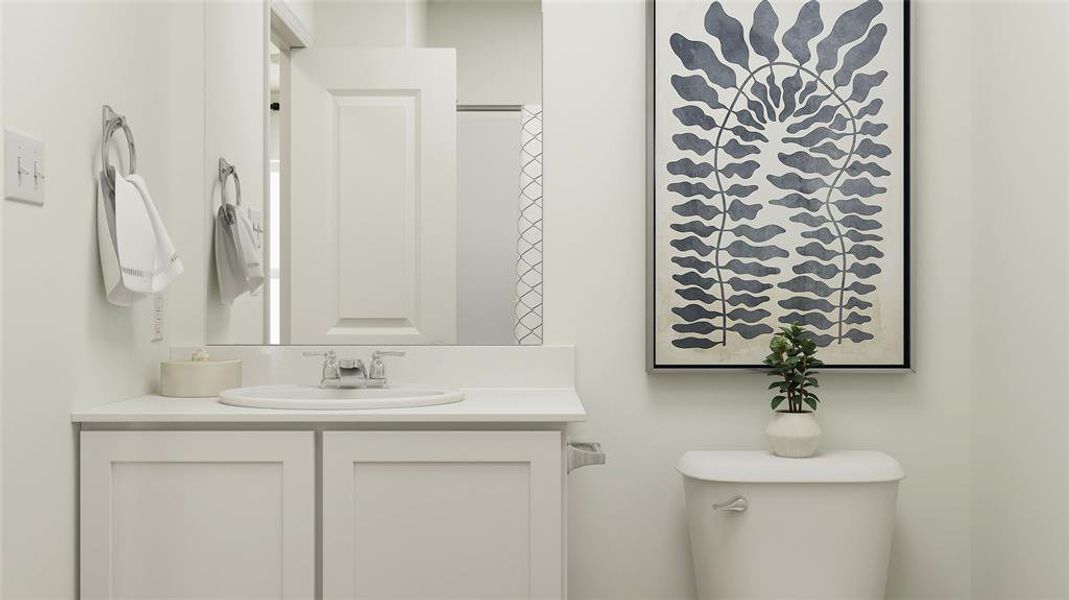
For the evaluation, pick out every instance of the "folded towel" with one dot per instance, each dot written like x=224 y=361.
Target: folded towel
x=136 y=237
x=115 y=290
x=166 y=264
x=237 y=264
x=237 y=259
x=252 y=259
x=137 y=256
x=231 y=278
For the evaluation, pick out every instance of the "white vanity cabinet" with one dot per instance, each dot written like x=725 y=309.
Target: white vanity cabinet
x=191 y=499
x=473 y=515
x=197 y=514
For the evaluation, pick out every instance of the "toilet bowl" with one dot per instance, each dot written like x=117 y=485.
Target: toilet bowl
x=764 y=527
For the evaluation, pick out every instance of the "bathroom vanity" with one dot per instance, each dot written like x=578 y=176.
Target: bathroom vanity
x=363 y=201
x=191 y=498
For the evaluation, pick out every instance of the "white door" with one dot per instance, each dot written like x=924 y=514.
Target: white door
x=414 y=515
x=190 y=515
x=369 y=196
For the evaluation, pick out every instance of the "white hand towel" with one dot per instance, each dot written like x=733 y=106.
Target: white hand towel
x=227 y=260
x=135 y=237
x=114 y=289
x=238 y=263
x=251 y=258
x=166 y=264
x=137 y=256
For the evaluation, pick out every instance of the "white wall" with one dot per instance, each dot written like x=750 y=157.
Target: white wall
x=980 y=166
x=498 y=42
x=499 y=48
x=2 y=183
x=185 y=301
x=63 y=345
x=416 y=23
x=488 y=175
x=1020 y=274
x=235 y=127
x=370 y=23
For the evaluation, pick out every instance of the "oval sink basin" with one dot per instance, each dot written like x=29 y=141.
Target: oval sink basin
x=311 y=397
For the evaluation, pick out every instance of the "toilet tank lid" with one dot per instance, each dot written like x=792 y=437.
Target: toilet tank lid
x=756 y=466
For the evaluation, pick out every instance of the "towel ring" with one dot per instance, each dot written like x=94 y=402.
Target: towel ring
x=227 y=170
x=113 y=122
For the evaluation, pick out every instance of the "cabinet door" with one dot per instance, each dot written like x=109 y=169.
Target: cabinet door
x=472 y=515
x=197 y=515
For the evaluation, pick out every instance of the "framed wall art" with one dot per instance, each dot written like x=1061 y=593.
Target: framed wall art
x=779 y=172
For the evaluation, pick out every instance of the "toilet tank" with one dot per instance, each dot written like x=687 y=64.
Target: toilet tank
x=765 y=527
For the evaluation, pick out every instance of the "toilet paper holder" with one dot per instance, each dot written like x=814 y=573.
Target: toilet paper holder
x=584 y=454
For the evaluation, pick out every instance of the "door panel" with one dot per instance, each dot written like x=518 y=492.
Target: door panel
x=371 y=197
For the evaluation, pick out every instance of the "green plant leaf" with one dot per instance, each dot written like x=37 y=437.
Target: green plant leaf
x=792 y=358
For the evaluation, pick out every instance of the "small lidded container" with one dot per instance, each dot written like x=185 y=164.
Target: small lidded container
x=198 y=377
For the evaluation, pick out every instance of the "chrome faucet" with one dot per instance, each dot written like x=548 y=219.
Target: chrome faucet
x=352 y=373
x=341 y=373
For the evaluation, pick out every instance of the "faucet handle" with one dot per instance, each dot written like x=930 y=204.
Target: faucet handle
x=331 y=372
x=378 y=370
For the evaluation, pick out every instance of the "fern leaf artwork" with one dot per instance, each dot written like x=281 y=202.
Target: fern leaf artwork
x=780 y=180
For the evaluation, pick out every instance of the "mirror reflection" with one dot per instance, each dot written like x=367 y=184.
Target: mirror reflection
x=398 y=195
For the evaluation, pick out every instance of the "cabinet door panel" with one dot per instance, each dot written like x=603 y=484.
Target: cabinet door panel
x=467 y=515
x=195 y=515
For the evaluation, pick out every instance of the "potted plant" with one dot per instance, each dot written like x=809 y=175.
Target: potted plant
x=793 y=431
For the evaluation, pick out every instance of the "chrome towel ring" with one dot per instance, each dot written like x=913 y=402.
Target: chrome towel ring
x=227 y=170
x=113 y=122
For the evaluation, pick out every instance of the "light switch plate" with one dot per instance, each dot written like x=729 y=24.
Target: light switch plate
x=157 y=318
x=24 y=168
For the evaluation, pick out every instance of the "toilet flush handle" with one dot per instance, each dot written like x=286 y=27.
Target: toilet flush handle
x=736 y=504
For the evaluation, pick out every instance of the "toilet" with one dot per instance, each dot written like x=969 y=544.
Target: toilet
x=764 y=527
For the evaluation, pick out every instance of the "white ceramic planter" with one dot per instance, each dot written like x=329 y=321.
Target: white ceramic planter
x=793 y=435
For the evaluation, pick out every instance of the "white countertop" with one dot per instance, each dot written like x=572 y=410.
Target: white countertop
x=480 y=405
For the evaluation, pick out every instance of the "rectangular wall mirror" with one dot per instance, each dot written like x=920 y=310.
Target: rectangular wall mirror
x=390 y=166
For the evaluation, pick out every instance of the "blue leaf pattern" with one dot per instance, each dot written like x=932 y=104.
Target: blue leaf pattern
x=830 y=176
